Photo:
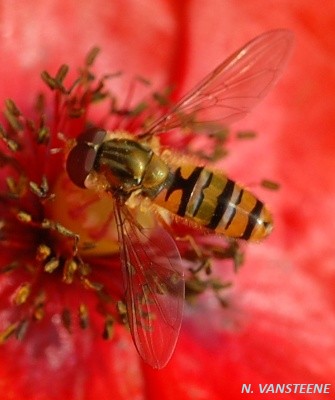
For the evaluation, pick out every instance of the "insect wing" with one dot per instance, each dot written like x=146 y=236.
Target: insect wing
x=230 y=91
x=154 y=288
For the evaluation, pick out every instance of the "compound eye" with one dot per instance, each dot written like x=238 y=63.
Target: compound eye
x=81 y=159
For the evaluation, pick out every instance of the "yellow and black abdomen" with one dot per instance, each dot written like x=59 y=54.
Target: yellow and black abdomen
x=215 y=202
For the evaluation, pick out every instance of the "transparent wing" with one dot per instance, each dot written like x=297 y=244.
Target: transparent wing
x=154 y=288
x=230 y=91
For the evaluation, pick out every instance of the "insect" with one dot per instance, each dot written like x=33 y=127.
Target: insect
x=134 y=170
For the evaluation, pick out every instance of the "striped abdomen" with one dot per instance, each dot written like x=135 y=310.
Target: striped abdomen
x=215 y=202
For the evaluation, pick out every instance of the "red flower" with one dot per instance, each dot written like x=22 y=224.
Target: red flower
x=277 y=327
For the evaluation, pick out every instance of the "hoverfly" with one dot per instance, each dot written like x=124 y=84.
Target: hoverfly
x=130 y=167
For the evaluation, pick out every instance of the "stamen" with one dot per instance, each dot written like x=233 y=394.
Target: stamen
x=21 y=329
x=91 y=56
x=108 y=327
x=42 y=190
x=8 y=332
x=61 y=73
x=13 y=115
x=57 y=227
x=43 y=252
x=69 y=270
x=271 y=185
x=83 y=316
x=96 y=286
x=51 y=265
x=54 y=83
x=39 y=304
x=22 y=294
x=16 y=187
x=9 y=142
x=121 y=308
x=23 y=216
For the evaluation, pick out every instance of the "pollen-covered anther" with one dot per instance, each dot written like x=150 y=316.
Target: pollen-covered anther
x=8 y=332
x=23 y=216
x=22 y=293
x=39 y=304
x=43 y=252
x=70 y=268
x=83 y=316
x=57 y=227
x=39 y=312
x=17 y=329
x=56 y=83
x=88 y=284
x=42 y=190
x=12 y=145
x=68 y=319
x=121 y=309
x=42 y=135
x=51 y=265
x=17 y=187
x=84 y=268
x=14 y=116
x=108 y=327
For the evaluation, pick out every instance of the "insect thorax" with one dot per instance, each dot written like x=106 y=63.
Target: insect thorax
x=129 y=165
